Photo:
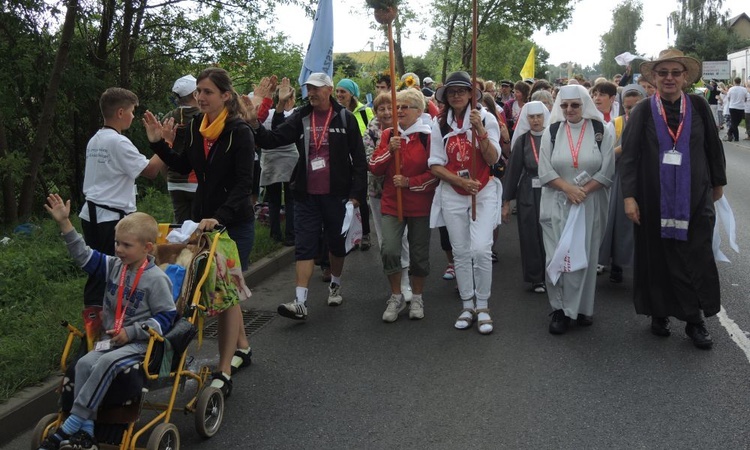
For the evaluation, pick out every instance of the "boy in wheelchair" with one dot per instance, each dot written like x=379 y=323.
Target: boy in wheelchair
x=137 y=293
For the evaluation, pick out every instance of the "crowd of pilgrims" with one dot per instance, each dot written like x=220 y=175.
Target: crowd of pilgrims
x=601 y=176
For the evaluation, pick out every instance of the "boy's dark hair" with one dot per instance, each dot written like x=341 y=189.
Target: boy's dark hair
x=115 y=98
x=605 y=87
x=384 y=79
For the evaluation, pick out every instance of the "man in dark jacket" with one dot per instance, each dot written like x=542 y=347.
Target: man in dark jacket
x=331 y=171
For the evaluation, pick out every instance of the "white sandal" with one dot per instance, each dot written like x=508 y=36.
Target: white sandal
x=465 y=319
x=482 y=323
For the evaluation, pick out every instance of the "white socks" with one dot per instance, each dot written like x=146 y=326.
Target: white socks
x=336 y=279
x=301 y=295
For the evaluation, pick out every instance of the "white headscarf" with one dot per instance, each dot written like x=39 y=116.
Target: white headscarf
x=575 y=92
x=529 y=109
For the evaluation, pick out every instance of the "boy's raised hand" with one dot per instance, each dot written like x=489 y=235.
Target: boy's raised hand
x=60 y=211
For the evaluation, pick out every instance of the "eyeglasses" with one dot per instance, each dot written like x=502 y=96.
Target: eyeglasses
x=665 y=73
x=572 y=105
x=456 y=92
x=405 y=107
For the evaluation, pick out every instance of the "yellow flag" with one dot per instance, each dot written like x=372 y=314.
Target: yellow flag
x=528 y=66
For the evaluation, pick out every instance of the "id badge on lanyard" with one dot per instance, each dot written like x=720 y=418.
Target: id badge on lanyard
x=672 y=158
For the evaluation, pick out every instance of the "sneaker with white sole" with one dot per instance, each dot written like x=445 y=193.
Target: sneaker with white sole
x=334 y=295
x=393 y=308
x=293 y=310
x=416 y=308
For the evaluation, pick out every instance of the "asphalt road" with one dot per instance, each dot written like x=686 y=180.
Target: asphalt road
x=344 y=379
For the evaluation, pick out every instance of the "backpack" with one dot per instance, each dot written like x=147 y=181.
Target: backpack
x=598 y=129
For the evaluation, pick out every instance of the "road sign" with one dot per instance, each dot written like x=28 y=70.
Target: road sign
x=720 y=70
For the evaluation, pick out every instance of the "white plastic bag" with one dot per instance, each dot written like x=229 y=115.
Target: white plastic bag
x=725 y=217
x=354 y=235
x=570 y=254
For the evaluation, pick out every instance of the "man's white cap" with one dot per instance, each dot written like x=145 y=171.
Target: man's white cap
x=428 y=80
x=184 y=86
x=319 y=79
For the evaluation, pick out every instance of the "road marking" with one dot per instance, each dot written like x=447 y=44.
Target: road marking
x=735 y=332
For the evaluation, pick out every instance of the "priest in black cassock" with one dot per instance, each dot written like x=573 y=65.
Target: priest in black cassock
x=673 y=170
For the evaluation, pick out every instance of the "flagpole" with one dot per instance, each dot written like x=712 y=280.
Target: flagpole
x=385 y=12
x=394 y=112
x=474 y=25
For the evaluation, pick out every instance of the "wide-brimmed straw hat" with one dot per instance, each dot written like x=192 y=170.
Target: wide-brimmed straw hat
x=692 y=65
x=459 y=78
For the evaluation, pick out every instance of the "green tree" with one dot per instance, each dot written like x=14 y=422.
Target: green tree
x=626 y=20
x=702 y=30
x=346 y=66
x=499 y=20
x=143 y=46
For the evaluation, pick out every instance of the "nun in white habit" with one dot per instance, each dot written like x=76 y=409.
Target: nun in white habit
x=576 y=170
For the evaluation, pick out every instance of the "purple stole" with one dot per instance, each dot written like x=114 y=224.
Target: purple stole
x=674 y=180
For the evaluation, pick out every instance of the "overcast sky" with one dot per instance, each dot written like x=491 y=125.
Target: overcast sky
x=579 y=43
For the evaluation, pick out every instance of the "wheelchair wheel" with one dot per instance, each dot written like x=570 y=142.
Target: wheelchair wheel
x=38 y=434
x=164 y=437
x=209 y=411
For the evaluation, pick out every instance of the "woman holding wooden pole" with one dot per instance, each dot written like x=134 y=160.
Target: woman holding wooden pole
x=453 y=154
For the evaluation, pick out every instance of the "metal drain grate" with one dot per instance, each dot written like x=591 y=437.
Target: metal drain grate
x=254 y=320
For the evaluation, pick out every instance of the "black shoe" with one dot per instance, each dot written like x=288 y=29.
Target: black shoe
x=660 y=326
x=584 y=321
x=52 y=441
x=699 y=334
x=539 y=288
x=615 y=275
x=80 y=441
x=226 y=386
x=241 y=359
x=365 y=244
x=559 y=323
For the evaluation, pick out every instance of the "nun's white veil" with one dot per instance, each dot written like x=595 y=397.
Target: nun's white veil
x=575 y=92
x=529 y=109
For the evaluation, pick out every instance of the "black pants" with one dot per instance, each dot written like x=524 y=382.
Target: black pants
x=101 y=237
x=273 y=197
x=737 y=116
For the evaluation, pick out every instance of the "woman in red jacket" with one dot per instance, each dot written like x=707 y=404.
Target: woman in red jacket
x=417 y=186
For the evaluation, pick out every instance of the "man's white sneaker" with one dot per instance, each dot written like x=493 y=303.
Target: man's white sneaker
x=293 y=310
x=416 y=308
x=334 y=295
x=394 y=306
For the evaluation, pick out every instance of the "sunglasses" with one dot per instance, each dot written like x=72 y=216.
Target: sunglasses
x=405 y=107
x=572 y=105
x=455 y=92
x=665 y=73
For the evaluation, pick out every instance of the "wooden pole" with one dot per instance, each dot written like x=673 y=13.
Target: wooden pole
x=474 y=25
x=394 y=112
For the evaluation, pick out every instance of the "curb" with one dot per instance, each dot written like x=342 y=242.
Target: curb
x=21 y=412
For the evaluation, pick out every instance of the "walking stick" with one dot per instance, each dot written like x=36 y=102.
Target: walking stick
x=385 y=13
x=474 y=25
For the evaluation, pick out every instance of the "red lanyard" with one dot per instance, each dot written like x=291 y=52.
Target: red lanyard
x=575 y=150
x=461 y=144
x=533 y=148
x=119 y=313
x=319 y=141
x=663 y=114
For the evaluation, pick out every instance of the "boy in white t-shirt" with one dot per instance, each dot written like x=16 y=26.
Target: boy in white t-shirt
x=112 y=165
